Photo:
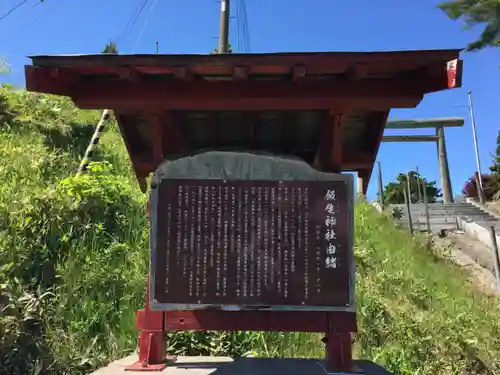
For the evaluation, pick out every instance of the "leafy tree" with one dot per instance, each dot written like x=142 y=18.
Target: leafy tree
x=394 y=191
x=477 y=12
x=110 y=48
x=491 y=186
x=495 y=168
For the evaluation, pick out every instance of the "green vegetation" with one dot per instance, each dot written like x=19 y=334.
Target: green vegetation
x=394 y=192
x=110 y=47
x=73 y=262
x=491 y=182
x=495 y=167
x=477 y=12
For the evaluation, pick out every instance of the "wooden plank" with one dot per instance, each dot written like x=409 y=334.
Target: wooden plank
x=157 y=129
x=240 y=73
x=292 y=321
x=183 y=72
x=200 y=90
x=249 y=95
x=425 y=123
x=409 y=138
x=299 y=73
x=379 y=126
x=332 y=59
x=247 y=104
x=338 y=122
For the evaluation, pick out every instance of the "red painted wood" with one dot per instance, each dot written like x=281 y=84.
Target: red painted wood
x=240 y=73
x=152 y=335
x=42 y=80
x=291 y=321
x=322 y=160
x=339 y=351
x=337 y=123
x=299 y=72
x=382 y=121
x=197 y=90
x=454 y=70
x=329 y=62
x=174 y=141
x=244 y=104
x=157 y=128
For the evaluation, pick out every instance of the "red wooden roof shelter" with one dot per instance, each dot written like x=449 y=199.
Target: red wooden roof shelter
x=329 y=109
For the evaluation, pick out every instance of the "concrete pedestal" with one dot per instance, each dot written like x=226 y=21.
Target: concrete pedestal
x=241 y=366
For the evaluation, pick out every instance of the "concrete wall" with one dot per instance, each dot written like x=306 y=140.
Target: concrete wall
x=476 y=231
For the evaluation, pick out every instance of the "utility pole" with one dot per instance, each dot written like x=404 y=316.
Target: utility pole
x=408 y=182
x=418 y=184
x=476 y=147
x=224 y=27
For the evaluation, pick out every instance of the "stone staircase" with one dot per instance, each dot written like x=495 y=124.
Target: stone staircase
x=443 y=216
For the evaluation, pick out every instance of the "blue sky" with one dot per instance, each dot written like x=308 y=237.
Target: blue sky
x=191 y=26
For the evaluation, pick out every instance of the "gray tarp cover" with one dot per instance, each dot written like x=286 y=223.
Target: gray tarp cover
x=240 y=166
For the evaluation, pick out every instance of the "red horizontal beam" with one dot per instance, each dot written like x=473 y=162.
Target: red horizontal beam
x=248 y=95
x=238 y=104
x=286 y=321
x=251 y=90
x=202 y=95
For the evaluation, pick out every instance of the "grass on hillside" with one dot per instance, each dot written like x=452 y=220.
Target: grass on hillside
x=73 y=262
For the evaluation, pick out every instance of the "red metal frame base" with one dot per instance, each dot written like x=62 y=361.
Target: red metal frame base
x=152 y=355
x=140 y=366
x=153 y=326
x=152 y=337
x=144 y=366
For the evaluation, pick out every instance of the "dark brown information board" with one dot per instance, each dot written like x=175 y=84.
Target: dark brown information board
x=252 y=243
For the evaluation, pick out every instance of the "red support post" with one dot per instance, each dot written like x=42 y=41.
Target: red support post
x=338 y=351
x=152 y=337
x=338 y=345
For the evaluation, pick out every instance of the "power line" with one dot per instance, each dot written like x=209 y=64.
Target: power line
x=48 y=10
x=239 y=42
x=145 y=24
x=242 y=25
x=31 y=21
x=246 y=27
x=133 y=18
x=14 y=9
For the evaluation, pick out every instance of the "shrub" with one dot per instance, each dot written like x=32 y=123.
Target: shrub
x=491 y=186
x=83 y=240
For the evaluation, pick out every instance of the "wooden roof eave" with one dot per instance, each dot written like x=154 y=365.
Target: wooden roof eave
x=68 y=75
x=63 y=74
x=307 y=59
